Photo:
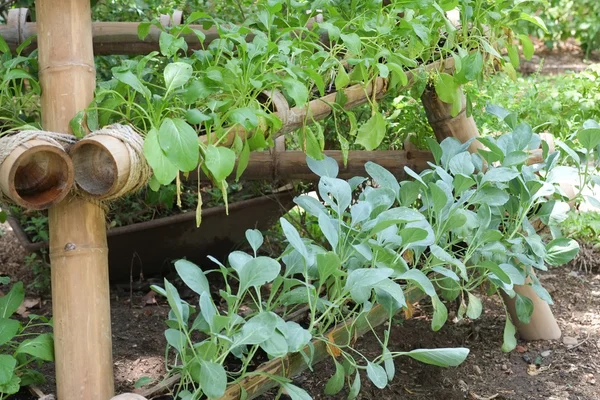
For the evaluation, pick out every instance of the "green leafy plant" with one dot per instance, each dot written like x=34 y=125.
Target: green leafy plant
x=463 y=225
x=20 y=348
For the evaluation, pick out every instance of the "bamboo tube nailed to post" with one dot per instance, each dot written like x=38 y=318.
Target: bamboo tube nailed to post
x=543 y=325
x=78 y=251
x=36 y=174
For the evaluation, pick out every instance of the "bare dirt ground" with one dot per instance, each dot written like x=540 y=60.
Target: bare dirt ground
x=564 y=56
x=555 y=370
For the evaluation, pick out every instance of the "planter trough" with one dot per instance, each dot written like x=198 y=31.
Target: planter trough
x=149 y=247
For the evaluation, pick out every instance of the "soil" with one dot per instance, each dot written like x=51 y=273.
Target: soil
x=562 y=57
x=556 y=370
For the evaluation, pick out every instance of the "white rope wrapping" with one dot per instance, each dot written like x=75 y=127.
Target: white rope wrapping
x=9 y=143
x=140 y=172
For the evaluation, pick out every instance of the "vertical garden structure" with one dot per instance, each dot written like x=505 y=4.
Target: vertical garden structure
x=78 y=251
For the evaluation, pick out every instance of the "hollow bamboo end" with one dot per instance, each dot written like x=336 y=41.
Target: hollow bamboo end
x=101 y=164
x=36 y=175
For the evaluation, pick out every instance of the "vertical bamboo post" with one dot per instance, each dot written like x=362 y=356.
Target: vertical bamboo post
x=543 y=325
x=78 y=250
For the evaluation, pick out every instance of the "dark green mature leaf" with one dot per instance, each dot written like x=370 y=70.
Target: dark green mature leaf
x=10 y=302
x=179 y=141
x=372 y=132
x=446 y=88
x=131 y=80
x=41 y=347
x=220 y=161
x=524 y=308
x=7 y=368
x=257 y=272
x=352 y=42
x=8 y=329
x=164 y=170
x=589 y=137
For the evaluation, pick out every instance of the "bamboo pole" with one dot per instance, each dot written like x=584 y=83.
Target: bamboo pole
x=78 y=251
x=543 y=325
x=111 y=38
x=36 y=175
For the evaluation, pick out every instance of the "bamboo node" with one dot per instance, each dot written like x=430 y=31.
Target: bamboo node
x=110 y=163
x=35 y=171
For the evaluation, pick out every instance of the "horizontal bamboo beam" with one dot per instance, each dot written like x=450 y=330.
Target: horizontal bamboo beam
x=291 y=165
x=112 y=38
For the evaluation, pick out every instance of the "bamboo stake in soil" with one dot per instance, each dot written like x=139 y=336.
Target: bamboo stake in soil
x=78 y=251
x=36 y=175
x=543 y=325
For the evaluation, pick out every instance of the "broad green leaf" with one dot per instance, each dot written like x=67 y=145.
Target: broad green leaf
x=325 y=167
x=255 y=238
x=327 y=264
x=193 y=276
x=295 y=392
x=176 y=339
x=10 y=302
x=296 y=90
x=7 y=368
x=352 y=42
x=245 y=116
x=444 y=256
x=491 y=196
x=390 y=295
x=179 y=142
x=144 y=29
x=275 y=346
x=461 y=164
x=76 y=124
x=341 y=79
x=164 y=170
x=589 y=137
x=293 y=237
x=361 y=281
x=524 y=308
x=446 y=88
x=213 y=379
x=177 y=74
x=297 y=337
x=336 y=382
x=258 y=329
x=527 y=46
x=257 y=272
x=41 y=347
x=143 y=381
x=420 y=279
x=372 y=132
x=243 y=160
x=474 y=307
x=388 y=362
x=500 y=174
x=382 y=176
x=377 y=375
x=510 y=341
x=174 y=301
x=219 y=161
x=131 y=80
x=440 y=357
x=8 y=329
x=561 y=251
x=335 y=192
x=355 y=388
x=440 y=314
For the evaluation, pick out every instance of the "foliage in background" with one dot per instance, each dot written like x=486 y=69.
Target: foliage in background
x=21 y=350
x=572 y=18
x=584 y=227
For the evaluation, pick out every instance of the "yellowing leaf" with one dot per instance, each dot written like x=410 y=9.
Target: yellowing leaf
x=332 y=349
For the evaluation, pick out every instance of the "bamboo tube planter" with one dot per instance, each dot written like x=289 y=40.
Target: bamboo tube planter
x=78 y=252
x=102 y=165
x=543 y=325
x=36 y=175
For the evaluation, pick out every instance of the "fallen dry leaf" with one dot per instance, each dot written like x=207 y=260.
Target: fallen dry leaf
x=533 y=370
x=521 y=349
x=26 y=305
x=332 y=349
x=149 y=299
x=409 y=311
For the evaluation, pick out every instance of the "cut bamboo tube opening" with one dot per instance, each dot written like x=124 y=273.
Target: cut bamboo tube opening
x=444 y=125
x=78 y=250
x=102 y=165
x=543 y=325
x=36 y=175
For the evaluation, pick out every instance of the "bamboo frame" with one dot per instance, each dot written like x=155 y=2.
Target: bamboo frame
x=543 y=325
x=78 y=251
x=112 y=38
x=36 y=175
